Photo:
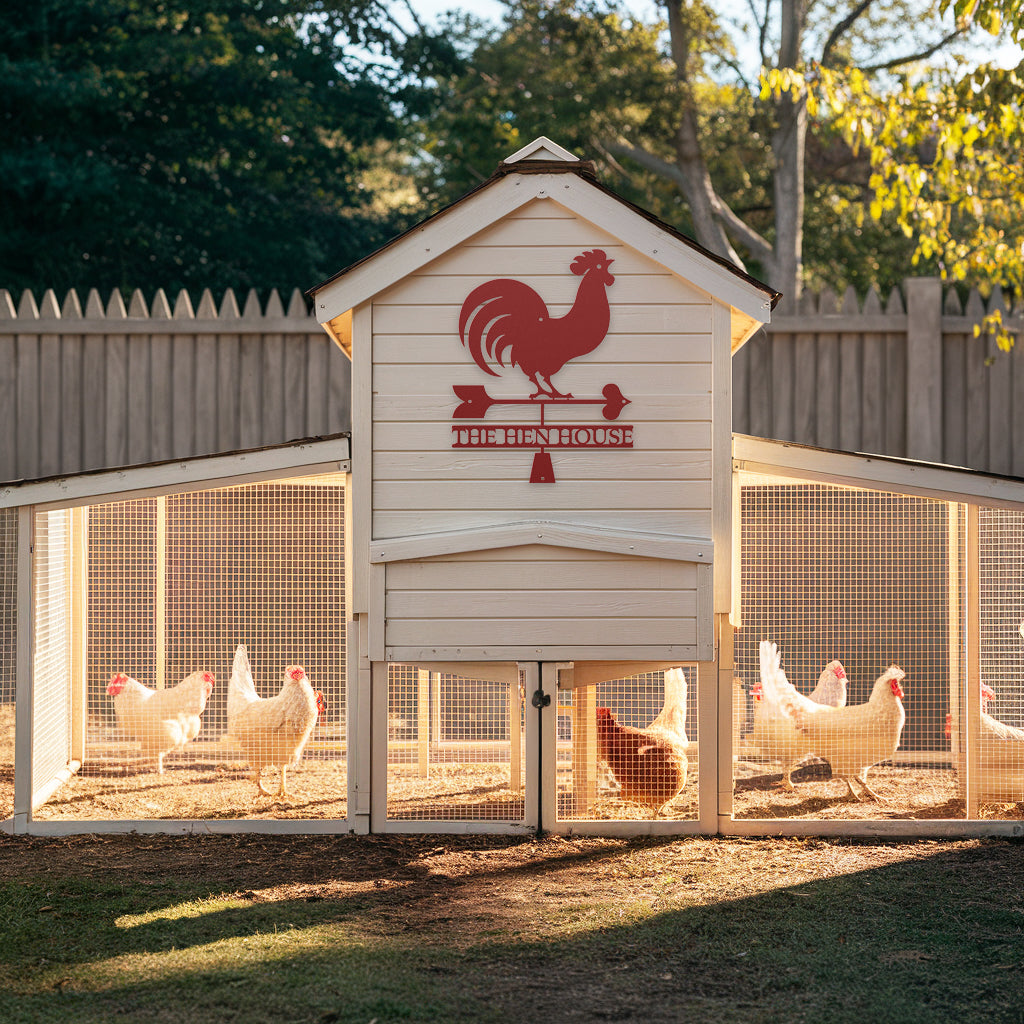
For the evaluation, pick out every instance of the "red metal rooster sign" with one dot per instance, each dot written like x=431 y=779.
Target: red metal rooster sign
x=507 y=322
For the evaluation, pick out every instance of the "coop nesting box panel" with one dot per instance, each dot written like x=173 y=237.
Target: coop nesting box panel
x=534 y=598
x=644 y=465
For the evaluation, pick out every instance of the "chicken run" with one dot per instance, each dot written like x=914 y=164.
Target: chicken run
x=505 y=608
x=813 y=737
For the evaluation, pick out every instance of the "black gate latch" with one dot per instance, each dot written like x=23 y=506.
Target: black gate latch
x=540 y=699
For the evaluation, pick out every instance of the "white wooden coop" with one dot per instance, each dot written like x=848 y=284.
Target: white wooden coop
x=544 y=535
x=539 y=530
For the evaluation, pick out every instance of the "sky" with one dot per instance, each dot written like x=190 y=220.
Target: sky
x=1006 y=56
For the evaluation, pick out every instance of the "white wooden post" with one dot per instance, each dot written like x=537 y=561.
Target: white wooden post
x=715 y=770
x=23 y=685
x=973 y=696
x=515 y=737
x=956 y=640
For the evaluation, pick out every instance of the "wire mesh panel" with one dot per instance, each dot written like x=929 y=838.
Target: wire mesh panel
x=623 y=747
x=455 y=746
x=215 y=654
x=1000 y=741
x=8 y=653
x=845 y=716
x=51 y=663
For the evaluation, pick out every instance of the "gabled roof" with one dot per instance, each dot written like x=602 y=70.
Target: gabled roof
x=541 y=170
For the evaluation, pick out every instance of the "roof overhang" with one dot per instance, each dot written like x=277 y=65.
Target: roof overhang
x=542 y=172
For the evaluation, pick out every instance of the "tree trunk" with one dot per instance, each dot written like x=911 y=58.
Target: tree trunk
x=696 y=179
x=789 y=142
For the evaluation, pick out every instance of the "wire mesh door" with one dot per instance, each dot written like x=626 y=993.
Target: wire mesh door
x=457 y=741
x=623 y=746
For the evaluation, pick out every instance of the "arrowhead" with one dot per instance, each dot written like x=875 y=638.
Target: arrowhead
x=615 y=402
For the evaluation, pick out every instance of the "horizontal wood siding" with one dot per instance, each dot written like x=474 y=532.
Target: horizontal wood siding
x=110 y=385
x=657 y=351
x=541 y=595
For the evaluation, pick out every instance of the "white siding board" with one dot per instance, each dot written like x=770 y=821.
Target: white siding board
x=582 y=465
x=618 y=347
x=678 y=412
x=525 y=573
x=557 y=287
x=583 y=378
x=523 y=496
x=549 y=554
x=529 y=634
x=443 y=318
x=554 y=603
x=406 y=523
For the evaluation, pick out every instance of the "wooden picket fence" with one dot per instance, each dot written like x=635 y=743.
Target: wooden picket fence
x=129 y=383
x=121 y=384
x=907 y=378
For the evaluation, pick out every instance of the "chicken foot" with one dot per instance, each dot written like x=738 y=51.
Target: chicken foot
x=545 y=388
x=862 y=778
x=282 y=792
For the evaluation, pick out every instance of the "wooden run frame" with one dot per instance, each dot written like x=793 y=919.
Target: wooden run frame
x=962 y=489
x=301 y=459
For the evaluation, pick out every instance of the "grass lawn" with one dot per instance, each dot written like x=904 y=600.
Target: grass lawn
x=388 y=929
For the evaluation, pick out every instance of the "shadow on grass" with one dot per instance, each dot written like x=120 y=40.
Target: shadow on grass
x=932 y=938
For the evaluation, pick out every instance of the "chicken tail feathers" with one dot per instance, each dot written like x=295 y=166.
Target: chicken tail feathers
x=490 y=315
x=241 y=688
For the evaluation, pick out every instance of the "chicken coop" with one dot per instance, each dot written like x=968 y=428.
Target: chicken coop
x=125 y=598
x=540 y=586
x=541 y=518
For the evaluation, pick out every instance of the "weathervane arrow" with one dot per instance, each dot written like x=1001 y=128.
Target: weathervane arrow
x=476 y=401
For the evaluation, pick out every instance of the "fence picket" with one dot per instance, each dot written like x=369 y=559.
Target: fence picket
x=154 y=382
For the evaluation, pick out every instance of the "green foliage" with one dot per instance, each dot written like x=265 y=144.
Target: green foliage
x=211 y=144
x=946 y=155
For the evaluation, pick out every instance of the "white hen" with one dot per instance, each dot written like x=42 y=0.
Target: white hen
x=161 y=720
x=270 y=730
x=852 y=739
x=775 y=734
x=671 y=720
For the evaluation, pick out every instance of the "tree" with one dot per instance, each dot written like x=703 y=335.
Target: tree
x=947 y=156
x=672 y=112
x=195 y=143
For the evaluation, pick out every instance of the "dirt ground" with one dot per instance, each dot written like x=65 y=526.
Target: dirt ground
x=220 y=789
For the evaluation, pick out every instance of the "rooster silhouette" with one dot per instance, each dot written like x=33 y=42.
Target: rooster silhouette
x=509 y=321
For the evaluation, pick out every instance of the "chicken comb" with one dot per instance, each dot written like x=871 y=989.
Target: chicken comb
x=209 y=677
x=296 y=672
x=756 y=691
x=587 y=259
x=117 y=683
x=987 y=693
